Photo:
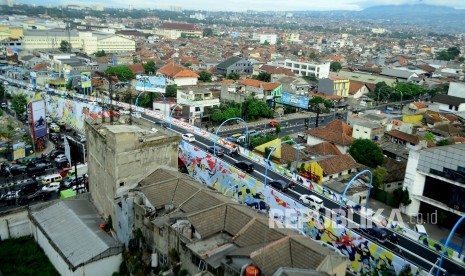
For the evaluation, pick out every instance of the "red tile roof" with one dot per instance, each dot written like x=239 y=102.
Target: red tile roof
x=178 y=26
x=355 y=86
x=420 y=104
x=269 y=86
x=40 y=66
x=413 y=139
x=250 y=82
x=276 y=70
x=325 y=148
x=337 y=164
x=335 y=132
x=177 y=71
x=136 y=68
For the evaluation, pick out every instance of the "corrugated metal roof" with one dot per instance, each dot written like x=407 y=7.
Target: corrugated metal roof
x=74 y=227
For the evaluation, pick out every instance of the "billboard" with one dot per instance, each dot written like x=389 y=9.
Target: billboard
x=150 y=83
x=86 y=79
x=295 y=100
x=39 y=124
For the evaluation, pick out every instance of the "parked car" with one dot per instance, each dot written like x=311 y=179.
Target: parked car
x=312 y=201
x=51 y=178
x=244 y=166
x=60 y=157
x=54 y=127
x=28 y=186
x=136 y=115
x=61 y=123
x=9 y=196
x=52 y=187
x=63 y=163
x=279 y=184
x=189 y=137
x=81 y=138
x=273 y=123
x=215 y=150
x=377 y=233
x=124 y=112
x=35 y=170
x=38 y=195
x=54 y=153
x=420 y=229
x=17 y=169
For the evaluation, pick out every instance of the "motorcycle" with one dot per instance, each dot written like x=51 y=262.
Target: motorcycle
x=232 y=153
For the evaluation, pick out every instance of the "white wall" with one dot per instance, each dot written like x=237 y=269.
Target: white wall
x=185 y=81
x=358 y=131
x=105 y=266
x=15 y=224
x=311 y=141
x=414 y=182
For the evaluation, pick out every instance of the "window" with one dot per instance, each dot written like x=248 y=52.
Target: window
x=163 y=259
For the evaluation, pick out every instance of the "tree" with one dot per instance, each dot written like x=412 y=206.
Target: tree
x=313 y=56
x=135 y=60
x=205 y=76
x=264 y=76
x=365 y=152
x=335 y=66
x=138 y=25
x=18 y=104
x=207 y=32
x=65 y=46
x=171 y=90
x=277 y=129
x=2 y=91
x=429 y=137
x=233 y=76
x=266 y=43
x=378 y=177
x=401 y=196
x=145 y=101
x=443 y=142
x=187 y=64
x=100 y=53
x=402 y=43
x=122 y=72
x=149 y=67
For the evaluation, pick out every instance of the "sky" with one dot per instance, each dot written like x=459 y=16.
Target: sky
x=259 y=5
x=262 y=5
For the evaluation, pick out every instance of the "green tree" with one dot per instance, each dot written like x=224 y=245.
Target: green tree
x=266 y=43
x=138 y=25
x=443 y=142
x=145 y=101
x=135 y=60
x=378 y=177
x=365 y=152
x=2 y=91
x=429 y=137
x=205 y=76
x=18 y=104
x=401 y=196
x=187 y=64
x=149 y=67
x=313 y=56
x=277 y=129
x=65 y=46
x=207 y=32
x=402 y=43
x=100 y=53
x=171 y=90
x=122 y=72
x=335 y=66
x=7 y=132
x=264 y=76
x=233 y=76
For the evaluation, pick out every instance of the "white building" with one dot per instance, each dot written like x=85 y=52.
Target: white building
x=301 y=68
x=271 y=38
x=88 y=42
x=69 y=233
x=435 y=180
x=196 y=102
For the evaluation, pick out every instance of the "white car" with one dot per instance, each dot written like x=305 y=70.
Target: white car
x=312 y=201
x=52 y=187
x=136 y=115
x=189 y=137
x=124 y=112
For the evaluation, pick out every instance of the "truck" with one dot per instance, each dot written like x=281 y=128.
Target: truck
x=81 y=170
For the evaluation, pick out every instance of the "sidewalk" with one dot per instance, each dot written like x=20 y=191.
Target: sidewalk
x=436 y=232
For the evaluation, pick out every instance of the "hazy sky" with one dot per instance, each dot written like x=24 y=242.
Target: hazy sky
x=261 y=5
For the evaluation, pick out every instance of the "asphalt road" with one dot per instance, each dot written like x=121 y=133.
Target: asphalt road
x=411 y=250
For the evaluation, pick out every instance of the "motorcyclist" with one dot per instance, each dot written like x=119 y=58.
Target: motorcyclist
x=234 y=150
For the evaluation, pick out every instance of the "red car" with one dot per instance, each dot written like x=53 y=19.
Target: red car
x=273 y=123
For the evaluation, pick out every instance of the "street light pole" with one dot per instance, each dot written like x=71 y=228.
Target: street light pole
x=271 y=152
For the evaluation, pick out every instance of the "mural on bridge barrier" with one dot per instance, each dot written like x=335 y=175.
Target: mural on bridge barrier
x=364 y=256
x=74 y=113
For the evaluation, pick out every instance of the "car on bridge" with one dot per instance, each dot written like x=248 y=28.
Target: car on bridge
x=215 y=150
x=189 y=137
x=279 y=184
x=273 y=123
x=312 y=201
x=377 y=233
x=244 y=166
